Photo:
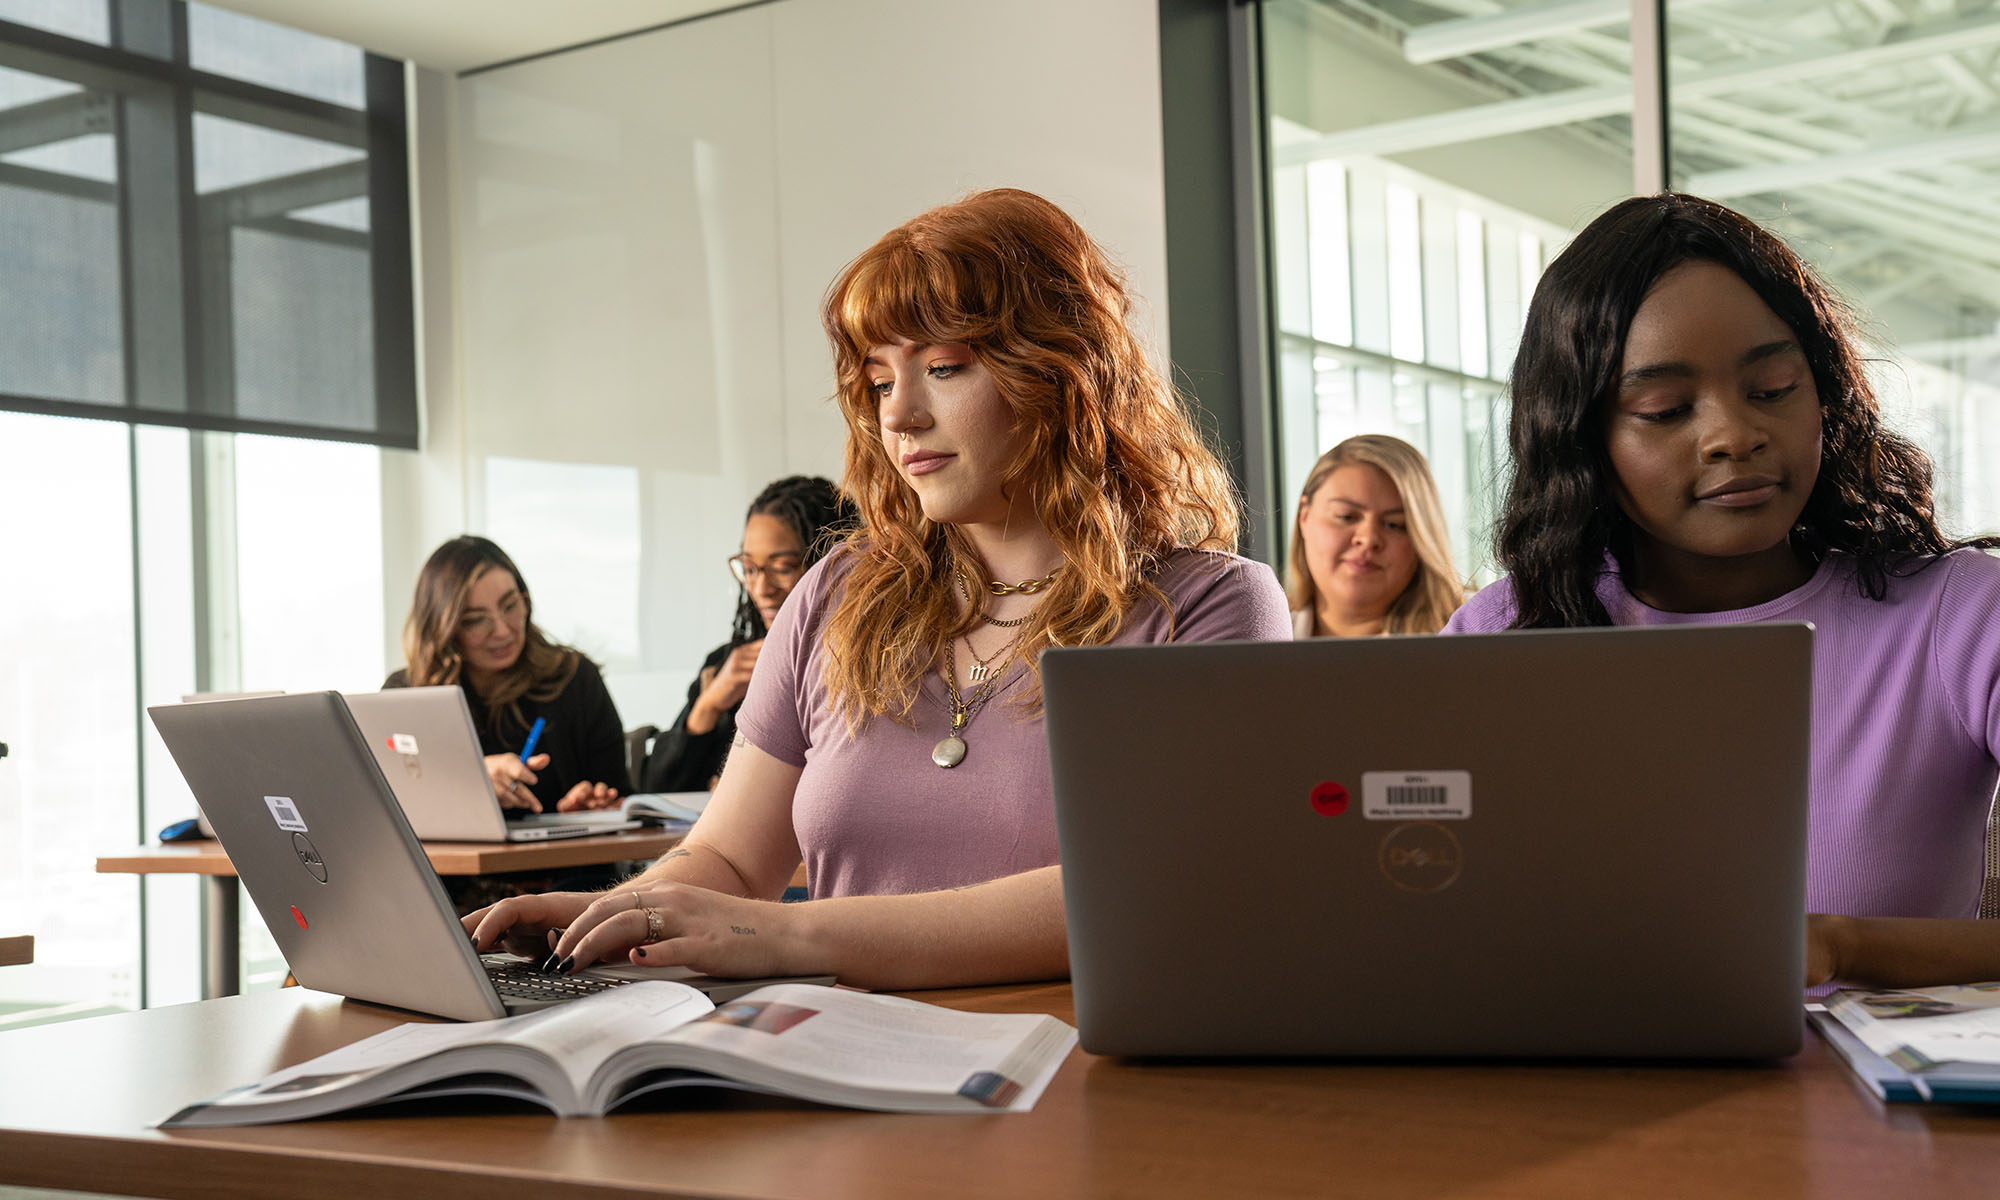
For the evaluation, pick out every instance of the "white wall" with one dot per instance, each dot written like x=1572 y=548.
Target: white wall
x=631 y=248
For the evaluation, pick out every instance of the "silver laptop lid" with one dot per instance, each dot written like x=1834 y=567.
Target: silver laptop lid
x=425 y=743
x=323 y=849
x=1575 y=843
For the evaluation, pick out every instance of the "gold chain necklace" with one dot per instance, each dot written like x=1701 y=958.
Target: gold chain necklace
x=950 y=751
x=985 y=668
x=1026 y=588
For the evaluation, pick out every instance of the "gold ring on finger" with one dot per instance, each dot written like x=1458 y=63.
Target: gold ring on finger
x=656 y=926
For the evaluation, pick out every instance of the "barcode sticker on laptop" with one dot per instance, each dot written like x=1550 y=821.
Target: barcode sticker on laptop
x=285 y=813
x=1416 y=795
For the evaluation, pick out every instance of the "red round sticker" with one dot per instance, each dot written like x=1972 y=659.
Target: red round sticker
x=1329 y=799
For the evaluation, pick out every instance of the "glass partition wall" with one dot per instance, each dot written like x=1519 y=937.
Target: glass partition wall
x=1866 y=134
x=1424 y=159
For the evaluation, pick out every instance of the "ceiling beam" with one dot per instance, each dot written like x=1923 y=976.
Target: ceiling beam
x=1460 y=125
x=1463 y=36
x=57 y=119
x=1867 y=160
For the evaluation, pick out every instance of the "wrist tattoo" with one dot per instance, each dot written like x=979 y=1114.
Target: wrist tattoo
x=743 y=929
x=677 y=852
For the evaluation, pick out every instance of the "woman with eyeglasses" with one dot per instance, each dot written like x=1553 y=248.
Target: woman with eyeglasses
x=472 y=624
x=791 y=524
x=1027 y=478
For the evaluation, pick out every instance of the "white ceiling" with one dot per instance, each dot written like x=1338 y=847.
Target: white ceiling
x=458 y=35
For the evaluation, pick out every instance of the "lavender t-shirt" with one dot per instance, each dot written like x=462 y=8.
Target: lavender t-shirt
x=875 y=816
x=1905 y=726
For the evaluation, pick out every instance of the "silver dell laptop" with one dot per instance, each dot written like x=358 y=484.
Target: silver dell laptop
x=424 y=740
x=1584 y=843
x=324 y=850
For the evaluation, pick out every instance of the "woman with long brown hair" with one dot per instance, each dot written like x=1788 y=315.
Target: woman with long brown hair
x=472 y=624
x=1026 y=479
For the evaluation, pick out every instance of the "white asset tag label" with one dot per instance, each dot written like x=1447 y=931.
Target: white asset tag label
x=403 y=743
x=285 y=813
x=1416 y=795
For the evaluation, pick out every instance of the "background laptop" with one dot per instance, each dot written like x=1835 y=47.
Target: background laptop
x=326 y=854
x=1574 y=843
x=423 y=739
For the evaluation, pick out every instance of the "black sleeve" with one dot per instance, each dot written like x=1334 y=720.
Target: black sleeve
x=601 y=737
x=685 y=762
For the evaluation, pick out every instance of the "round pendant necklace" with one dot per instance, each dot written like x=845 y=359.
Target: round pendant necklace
x=950 y=751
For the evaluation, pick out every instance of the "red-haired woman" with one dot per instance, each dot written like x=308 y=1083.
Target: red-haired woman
x=1025 y=479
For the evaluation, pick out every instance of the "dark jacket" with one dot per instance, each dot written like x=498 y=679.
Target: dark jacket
x=686 y=762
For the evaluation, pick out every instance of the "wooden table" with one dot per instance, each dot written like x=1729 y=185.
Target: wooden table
x=1104 y=1128
x=220 y=911
x=16 y=951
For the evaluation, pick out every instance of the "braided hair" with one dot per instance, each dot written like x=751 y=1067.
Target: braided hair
x=817 y=512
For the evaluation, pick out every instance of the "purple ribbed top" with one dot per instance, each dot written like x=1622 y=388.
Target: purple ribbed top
x=1905 y=725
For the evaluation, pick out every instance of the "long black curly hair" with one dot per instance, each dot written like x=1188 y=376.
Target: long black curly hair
x=818 y=512
x=1873 y=498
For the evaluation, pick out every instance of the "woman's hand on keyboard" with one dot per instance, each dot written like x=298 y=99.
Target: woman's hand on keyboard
x=669 y=925
x=524 y=925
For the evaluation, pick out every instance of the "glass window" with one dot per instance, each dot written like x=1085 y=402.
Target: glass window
x=308 y=564
x=195 y=252
x=61 y=293
x=69 y=786
x=1423 y=164
x=1867 y=142
x=293 y=60
x=85 y=20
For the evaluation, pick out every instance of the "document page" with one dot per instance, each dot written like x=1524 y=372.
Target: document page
x=1916 y=1028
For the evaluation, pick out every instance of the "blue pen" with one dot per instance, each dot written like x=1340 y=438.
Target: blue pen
x=534 y=735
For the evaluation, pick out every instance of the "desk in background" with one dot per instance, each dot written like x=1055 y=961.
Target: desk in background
x=221 y=949
x=1103 y=1128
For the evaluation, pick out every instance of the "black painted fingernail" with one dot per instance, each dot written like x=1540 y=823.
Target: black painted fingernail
x=562 y=968
x=642 y=952
x=548 y=964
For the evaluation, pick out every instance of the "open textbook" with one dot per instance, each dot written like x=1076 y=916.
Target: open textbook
x=1937 y=1043
x=589 y=1056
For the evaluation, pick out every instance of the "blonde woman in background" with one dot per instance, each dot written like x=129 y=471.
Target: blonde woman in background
x=1370 y=551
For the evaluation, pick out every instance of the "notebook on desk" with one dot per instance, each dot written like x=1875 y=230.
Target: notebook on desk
x=424 y=740
x=327 y=855
x=1576 y=844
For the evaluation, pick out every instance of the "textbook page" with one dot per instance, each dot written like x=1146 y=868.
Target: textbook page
x=549 y=1054
x=861 y=1050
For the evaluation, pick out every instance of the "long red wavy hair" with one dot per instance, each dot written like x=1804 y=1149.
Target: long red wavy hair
x=1112 y=462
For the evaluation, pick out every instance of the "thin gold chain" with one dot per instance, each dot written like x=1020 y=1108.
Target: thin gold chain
x=962 y=710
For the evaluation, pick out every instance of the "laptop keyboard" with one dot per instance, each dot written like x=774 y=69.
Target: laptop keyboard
x=524 y=981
